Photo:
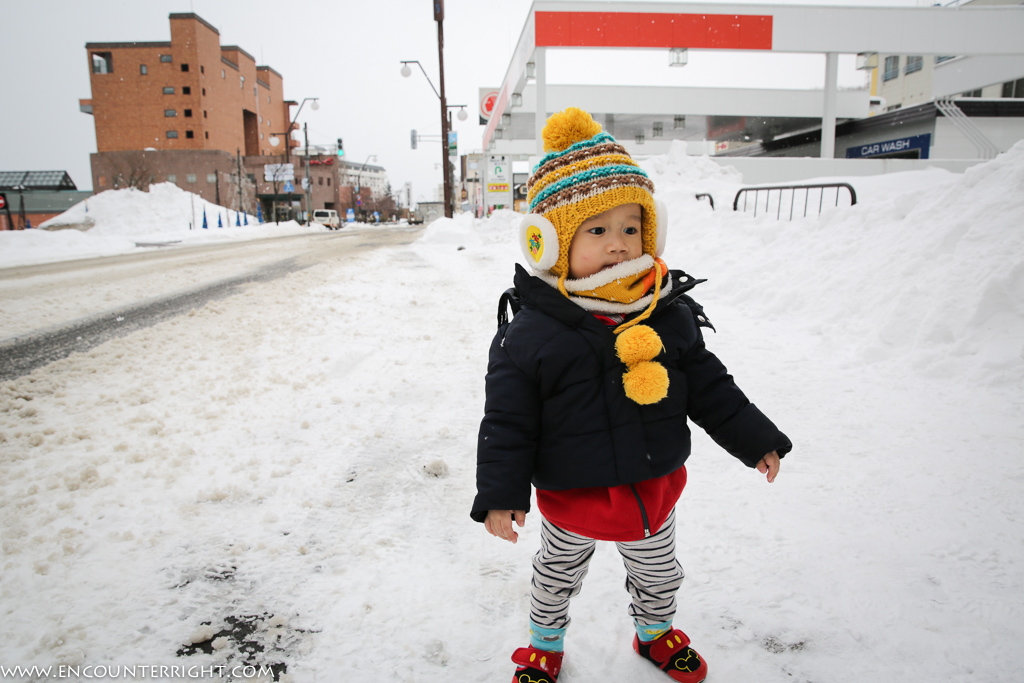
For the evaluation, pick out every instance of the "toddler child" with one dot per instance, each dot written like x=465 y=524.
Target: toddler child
x=588 y=392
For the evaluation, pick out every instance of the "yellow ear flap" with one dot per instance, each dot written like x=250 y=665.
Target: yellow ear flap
x=661 y=219
x=539 y=241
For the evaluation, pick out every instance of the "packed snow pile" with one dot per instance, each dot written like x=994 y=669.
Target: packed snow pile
x=165 y=208
x=925 y=270
x=123 y=221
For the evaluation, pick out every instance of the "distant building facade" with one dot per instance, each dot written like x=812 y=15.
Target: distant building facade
x=203 y=116
x=31 y=197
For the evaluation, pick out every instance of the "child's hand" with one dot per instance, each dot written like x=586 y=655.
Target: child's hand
x=499 y=523
x=769 y=464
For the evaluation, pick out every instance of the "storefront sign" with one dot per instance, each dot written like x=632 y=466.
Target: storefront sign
x=912 y=147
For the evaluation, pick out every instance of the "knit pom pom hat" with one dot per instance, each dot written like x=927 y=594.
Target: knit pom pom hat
x=585 y=172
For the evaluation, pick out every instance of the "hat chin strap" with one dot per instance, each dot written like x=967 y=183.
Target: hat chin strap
x=650 y=309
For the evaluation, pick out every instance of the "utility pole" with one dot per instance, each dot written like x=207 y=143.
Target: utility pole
x=439 y=18
x=238 y=158
x=305 y=171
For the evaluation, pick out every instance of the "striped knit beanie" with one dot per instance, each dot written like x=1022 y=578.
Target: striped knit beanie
x=585 y=172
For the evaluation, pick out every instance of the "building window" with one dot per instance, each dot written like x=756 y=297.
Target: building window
x=189 y=134
x=172 y=134
x=320 y=180
x=185 y=90
x=204 y=92
x=143 y=70
x=206 y=134
x=973 y=93
x=166 y=59
x=211 y=177
x=268 y=99
x=168 y=113
x=328 y=181
x=190 y=178
x=103 y=181
x=915 y=63
x=679 y=122
x=657 y=130
x=168 y=90
x=261 y=136
x=202 y=69
x=939 y=59
x=188 y=113
x=102 y=63
x=222 y=75
x=204 y=113
x=1014 y=88
x=892 y=68
x=241 y=82
x=184 y=68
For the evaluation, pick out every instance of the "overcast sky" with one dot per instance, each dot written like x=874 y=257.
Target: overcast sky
x=346 y=53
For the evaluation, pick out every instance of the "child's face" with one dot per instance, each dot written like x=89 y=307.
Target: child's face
x=606 y=239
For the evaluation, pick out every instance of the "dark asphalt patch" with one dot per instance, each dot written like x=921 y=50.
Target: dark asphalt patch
x=21 y=355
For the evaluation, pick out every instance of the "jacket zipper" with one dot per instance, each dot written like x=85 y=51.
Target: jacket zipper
x=643 y=511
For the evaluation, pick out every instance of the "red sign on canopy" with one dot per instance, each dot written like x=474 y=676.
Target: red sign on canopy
x=653 y=30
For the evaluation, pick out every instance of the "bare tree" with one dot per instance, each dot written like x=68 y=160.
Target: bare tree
x=130 y=169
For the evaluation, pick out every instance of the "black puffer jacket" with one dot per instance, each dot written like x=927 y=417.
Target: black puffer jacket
x=556 y=413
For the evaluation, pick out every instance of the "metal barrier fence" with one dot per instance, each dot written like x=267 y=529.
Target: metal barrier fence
x=780 y=204
x=705 y=195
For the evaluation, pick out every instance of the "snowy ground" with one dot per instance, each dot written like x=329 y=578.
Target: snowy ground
x=298 y=461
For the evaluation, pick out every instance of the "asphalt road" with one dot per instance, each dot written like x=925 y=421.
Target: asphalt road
x=147 y=288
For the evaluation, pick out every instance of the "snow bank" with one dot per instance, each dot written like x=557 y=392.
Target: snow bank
x=165 y=208
x=123 y=221
x=925 y=271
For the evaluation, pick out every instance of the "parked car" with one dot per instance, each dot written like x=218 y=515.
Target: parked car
x=328 y=218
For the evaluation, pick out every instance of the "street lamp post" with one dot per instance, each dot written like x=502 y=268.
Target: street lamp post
x=445 y=122
x=291 y=126
x=359 y=173
x=287 y=144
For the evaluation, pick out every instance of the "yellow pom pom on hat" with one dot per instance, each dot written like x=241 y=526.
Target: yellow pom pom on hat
x=586 y=172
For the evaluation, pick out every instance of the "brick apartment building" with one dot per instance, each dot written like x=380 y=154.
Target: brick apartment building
x=201 y=115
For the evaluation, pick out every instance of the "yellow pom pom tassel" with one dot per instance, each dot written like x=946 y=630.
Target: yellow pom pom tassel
x=638 y=343
x=565 y=128
x=646 y=382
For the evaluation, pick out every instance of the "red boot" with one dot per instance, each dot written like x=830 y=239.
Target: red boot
x=536 y=666
x=673 y=655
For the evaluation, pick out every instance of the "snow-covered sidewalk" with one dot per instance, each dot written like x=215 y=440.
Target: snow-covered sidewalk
x=299 y=459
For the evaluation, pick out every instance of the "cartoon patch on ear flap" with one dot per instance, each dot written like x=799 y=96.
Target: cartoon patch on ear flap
x=539 y=241
x=661 y=222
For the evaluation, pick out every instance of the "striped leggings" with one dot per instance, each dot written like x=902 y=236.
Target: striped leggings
x=653 y=575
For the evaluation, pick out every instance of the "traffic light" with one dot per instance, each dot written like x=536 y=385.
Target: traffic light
x=341 y=148
x=413 y=138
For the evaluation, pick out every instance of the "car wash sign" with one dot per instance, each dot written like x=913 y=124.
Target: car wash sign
x=912 y=147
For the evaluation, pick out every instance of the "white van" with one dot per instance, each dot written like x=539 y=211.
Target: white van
x=328 y=218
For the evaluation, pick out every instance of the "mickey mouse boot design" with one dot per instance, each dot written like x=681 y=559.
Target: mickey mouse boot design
x=672 y=654
x=536 y=666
